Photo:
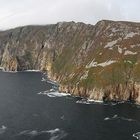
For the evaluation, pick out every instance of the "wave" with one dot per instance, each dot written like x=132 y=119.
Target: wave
x=111 y=118
x=89 y=101
x=2 y=69
x=95 y=101
x=92 y=101
x=53 y=93
x=55 y=134
x=10 y=71
x=82 y=102
x=62 y=117
x=31 y=70
x=137 y=135
x=29 y=133
x=3 y=129
x=52 y=82
x=43 y=79
x=19 y=71
x=115 y=117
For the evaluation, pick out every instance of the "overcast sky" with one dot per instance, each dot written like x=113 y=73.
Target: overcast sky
x=23 y=12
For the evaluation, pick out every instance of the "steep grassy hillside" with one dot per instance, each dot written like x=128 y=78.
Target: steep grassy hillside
x=101 y=62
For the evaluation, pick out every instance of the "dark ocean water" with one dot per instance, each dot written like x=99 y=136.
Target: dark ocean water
x=26 y=115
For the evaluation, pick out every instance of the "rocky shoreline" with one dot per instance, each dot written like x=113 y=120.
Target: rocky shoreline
x=105 y=95
x=132 y=93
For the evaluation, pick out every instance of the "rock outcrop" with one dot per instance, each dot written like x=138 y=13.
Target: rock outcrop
x=100 y=62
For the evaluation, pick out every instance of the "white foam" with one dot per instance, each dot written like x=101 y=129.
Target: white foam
x=107 y=118
x=32 y=70
x=2 y=69
x=137 y=135
x=96 y=101
x=55 y=134
x=111 y=118
x=57 y=94
x=92 y=101
x=53 y=131
x=127 y=119
x=52 y=93
x=52 y=82
x=10 y=71
x=43 y=79
x=62 y=117
x=115 y=117
x=3 y=129
x=23 y=132
x=88 y=101
x=43 y=93
x=82 y=102
x=33 y=133
x=21 y=71
x=30 y=133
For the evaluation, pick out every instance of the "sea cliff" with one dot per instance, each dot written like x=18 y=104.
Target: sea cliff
x=100 y=62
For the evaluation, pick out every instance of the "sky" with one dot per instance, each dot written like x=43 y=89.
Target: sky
x=15 y=13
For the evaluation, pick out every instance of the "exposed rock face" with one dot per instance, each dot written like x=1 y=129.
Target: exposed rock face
x=98 y=62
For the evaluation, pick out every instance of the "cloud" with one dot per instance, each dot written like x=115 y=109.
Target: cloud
x=17 y=13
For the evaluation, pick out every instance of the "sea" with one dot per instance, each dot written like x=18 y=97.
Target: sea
x=31 y=108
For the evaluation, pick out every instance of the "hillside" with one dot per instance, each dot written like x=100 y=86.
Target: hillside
x=101 y=62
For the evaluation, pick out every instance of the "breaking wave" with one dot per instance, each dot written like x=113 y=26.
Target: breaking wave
x=43 y=79
x=53 y=93
x=54 y=134
x=52 y=82
x=91 y=101
x=88 y=101
x=3 y=129
x=57 y=134
x=137 y=135
x=31 y=70
x=116 y=117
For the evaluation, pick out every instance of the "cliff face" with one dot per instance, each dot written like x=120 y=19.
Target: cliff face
x=101 y=62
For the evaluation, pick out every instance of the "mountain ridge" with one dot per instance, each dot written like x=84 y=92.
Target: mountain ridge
x=43 y=25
